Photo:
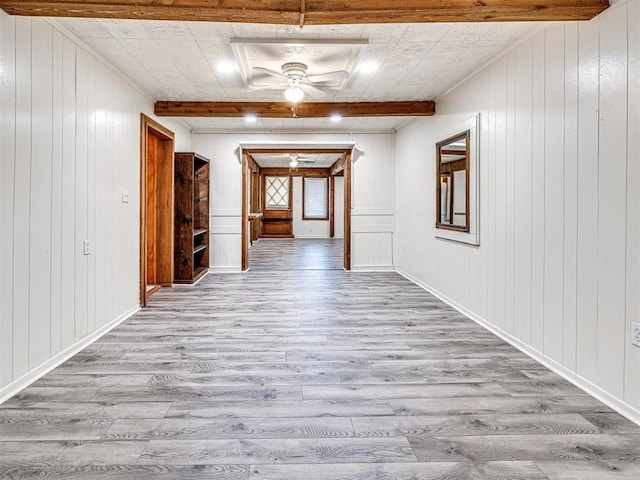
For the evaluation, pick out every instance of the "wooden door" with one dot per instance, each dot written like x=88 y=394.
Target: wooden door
x=156 y=208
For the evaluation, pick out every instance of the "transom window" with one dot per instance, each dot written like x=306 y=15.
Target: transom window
x=277 y=193
x=315 y=198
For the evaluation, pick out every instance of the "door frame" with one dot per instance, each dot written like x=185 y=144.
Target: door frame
x=151 y=128
x=345 y=167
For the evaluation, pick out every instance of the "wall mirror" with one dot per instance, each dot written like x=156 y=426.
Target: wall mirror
x=457 y=182
x=452 y=186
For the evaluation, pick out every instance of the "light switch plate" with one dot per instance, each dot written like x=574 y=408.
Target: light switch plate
x=86 y=247
x=635 y=334
x=125 y=196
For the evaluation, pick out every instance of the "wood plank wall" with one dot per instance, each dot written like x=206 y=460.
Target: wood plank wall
x=559 y=261
x=69 y=130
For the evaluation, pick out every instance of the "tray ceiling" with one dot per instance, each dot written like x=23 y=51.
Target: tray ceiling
x=320 y=56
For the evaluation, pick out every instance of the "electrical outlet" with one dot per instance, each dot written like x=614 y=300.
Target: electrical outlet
x=635 y=334
x=404 y=246
x=86 y=247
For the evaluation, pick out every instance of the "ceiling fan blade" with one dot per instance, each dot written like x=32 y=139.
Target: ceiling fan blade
x=312 y=91
x=269 y=72
x=268 y=87
x=306 y=160
x=329 y=76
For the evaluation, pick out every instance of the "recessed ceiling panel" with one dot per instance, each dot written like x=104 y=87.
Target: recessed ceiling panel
x=320 y=56
x=305 y=160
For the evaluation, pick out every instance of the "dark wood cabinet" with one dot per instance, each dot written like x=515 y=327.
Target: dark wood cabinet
x=191 y=228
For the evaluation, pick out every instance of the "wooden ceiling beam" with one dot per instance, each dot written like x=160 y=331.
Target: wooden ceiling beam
x=315 y=12
x=286 y=110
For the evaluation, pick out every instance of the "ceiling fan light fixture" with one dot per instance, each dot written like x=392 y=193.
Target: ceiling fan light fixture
x=294 y=94
x=293 y=163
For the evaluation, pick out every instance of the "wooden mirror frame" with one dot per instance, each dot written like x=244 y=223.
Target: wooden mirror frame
x=466 y=135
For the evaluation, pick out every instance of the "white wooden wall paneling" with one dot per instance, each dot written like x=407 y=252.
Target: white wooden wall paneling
x=511 y=159
x=588 y=193
x=490 y=227
x=339 y=207
x=570 y=199
x=372 y=250
x=632 y=355
x=81 y=188
x=501 y=193
x=225 y=200
x=484 y=263
x=70 y=127
x=112 y=202
x=22 y=199
x=7 y=192
x=68 y=248
x=56 y=190
x=538 y=195
x=612 y=212
x=576 y=231
x=522 y=184
x=372 y=237
x=97 y=200
x=40 y=189
x=92 y=152
x=554 y=183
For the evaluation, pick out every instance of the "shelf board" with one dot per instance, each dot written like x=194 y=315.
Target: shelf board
x=199 y=231
x=199 y=248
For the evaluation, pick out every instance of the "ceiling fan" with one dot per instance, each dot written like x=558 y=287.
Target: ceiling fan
x=294 y=77
x=295 y=159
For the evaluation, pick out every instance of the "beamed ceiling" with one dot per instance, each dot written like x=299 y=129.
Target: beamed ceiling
x=316 y=12
x=175 y=52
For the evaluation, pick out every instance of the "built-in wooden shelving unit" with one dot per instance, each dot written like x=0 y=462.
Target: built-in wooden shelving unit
x=191 y=229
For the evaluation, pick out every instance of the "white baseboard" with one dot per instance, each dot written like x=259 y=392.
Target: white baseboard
x=372 y=268
x=28 y=378
x=225 y=269
x=617 y=404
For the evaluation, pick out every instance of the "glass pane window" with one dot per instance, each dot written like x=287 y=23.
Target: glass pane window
x=315 y=201
x=277 y=193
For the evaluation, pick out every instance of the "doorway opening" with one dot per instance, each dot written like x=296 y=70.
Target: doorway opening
x=156 y=207
x=271 y=209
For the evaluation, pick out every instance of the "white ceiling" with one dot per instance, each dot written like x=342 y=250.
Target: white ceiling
x=280 y=160
x=180 y=61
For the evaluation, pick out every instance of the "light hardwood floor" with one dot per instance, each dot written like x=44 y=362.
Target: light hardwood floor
x=300 y=370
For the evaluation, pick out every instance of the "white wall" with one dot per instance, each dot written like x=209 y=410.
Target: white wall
x=559 y=258
x=306 y=228
x=69 y=145
x=372 y=191
x=338 y=203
